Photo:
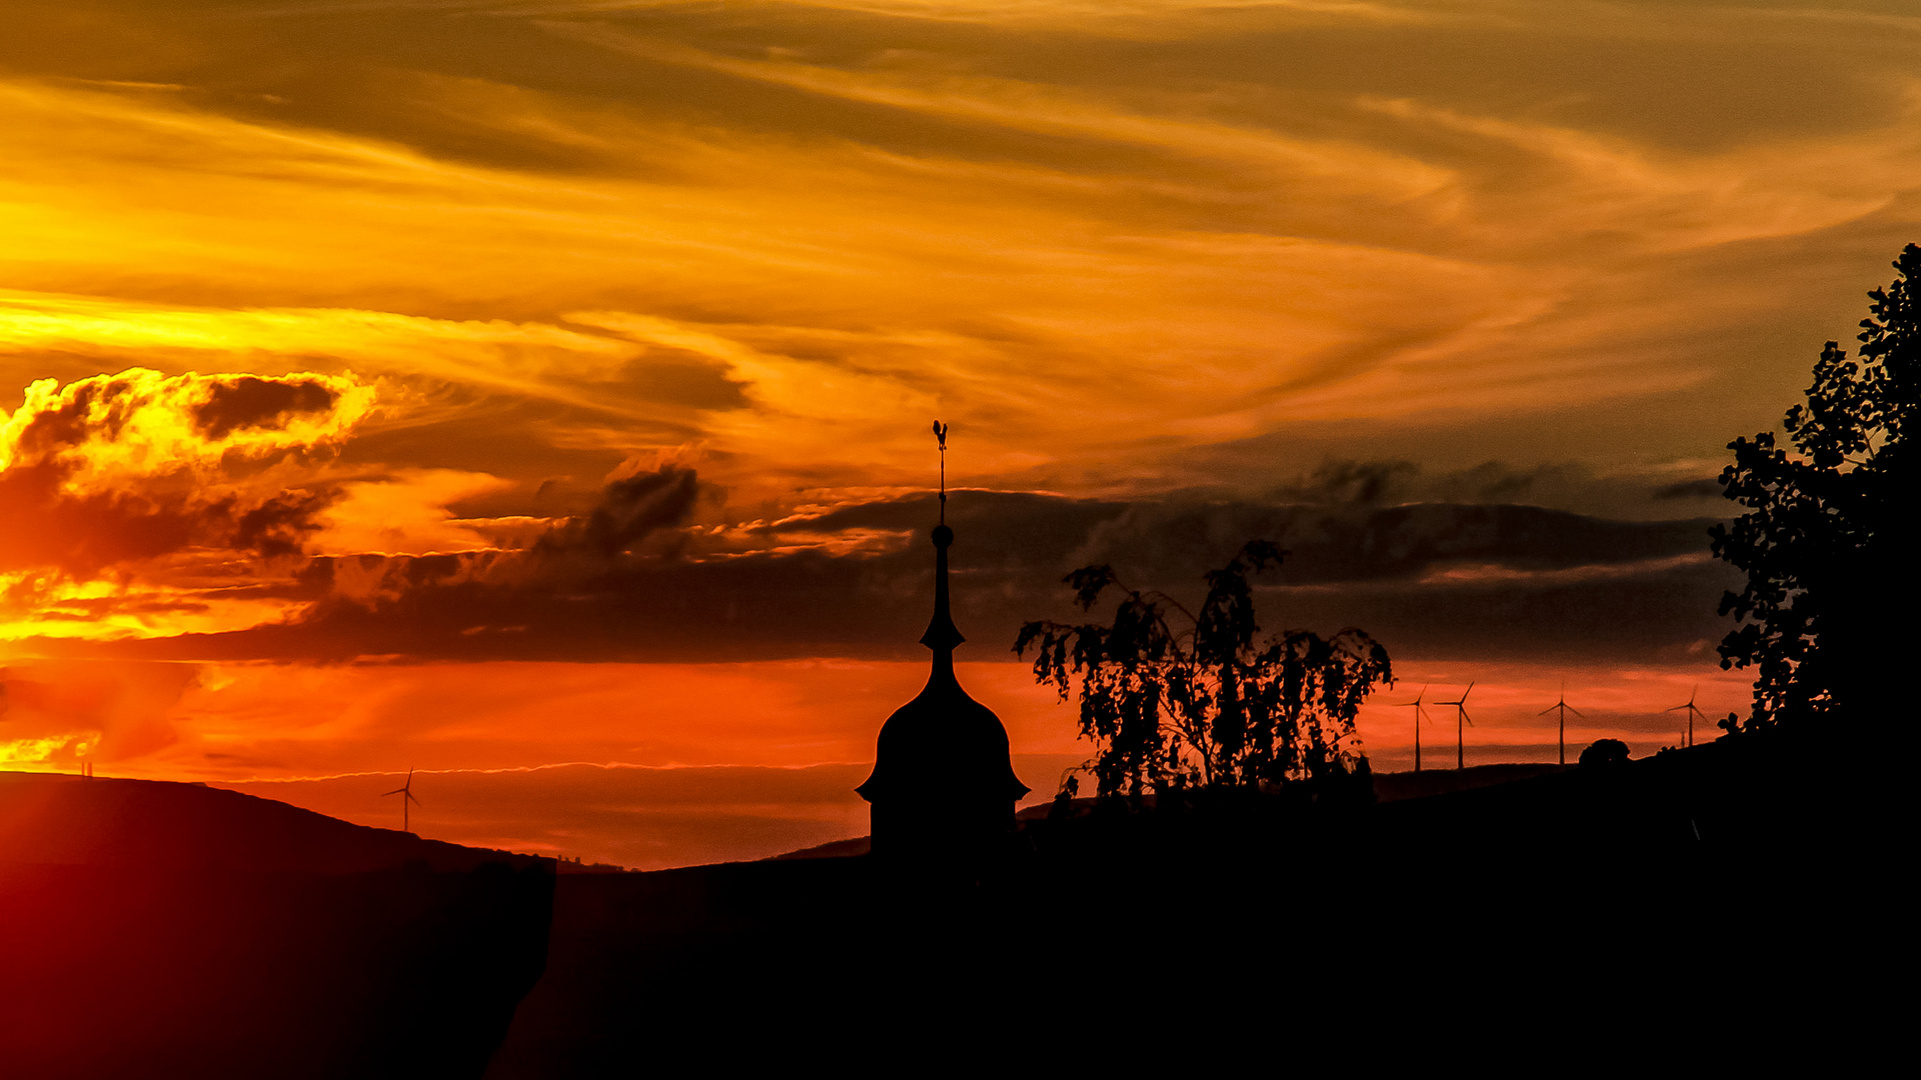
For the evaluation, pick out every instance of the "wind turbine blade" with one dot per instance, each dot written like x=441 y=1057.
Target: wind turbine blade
x=1549 y=709
x=396 y=791
x=1574 y=710
x=414 y=797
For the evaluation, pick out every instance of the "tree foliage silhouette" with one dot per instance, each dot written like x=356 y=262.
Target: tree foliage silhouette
x=1177 y=700
x=1825 y=589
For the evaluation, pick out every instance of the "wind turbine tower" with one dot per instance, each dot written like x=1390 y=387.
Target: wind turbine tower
x=1564 y=708
x=1420 y=714
x=406 y=793
x=1692 y=713
x=1461 y=718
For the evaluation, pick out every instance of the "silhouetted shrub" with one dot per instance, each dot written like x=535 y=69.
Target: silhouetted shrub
x=1604 y=752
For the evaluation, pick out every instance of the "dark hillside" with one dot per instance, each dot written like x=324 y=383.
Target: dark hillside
x=1388 y=787
x=179 y=930
x=1562 y=895
x=1393 y=787
x=175 y=930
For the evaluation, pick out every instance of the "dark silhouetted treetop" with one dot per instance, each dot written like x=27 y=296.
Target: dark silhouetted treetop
x=1828 y=595
x=1176 y=700
x=1604 y=752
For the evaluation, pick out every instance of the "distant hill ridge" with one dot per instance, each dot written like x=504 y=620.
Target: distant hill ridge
x=63 y=820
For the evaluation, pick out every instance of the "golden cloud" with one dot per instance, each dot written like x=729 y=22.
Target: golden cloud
x=101 y=432
x=144 y=504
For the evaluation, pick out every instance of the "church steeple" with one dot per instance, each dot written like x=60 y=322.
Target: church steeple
x=943 y=785
x=942 y=635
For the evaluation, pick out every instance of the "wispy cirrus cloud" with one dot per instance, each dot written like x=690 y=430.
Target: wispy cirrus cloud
x=1096 y=243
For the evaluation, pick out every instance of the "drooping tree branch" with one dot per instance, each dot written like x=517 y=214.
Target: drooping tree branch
x=1207 y=705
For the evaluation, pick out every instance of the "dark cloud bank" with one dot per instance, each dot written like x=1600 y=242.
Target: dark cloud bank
x=632 y=582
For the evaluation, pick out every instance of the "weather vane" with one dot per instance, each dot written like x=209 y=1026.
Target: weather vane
x=940 y=432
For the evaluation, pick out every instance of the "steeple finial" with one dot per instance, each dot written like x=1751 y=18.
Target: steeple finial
x=940 y=432
x=942 y=635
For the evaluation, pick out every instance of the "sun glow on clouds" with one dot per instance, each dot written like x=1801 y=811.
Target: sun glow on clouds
x=407 y=514
x=142 y=504
x=190 y=600
x=486 y=306
x=103 y=431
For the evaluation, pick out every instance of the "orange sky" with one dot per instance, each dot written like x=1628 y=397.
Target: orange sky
x=495 y=387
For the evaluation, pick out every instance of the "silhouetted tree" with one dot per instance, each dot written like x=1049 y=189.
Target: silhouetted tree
x=1604 y=752
x=1825 y=590
x=1196 y=701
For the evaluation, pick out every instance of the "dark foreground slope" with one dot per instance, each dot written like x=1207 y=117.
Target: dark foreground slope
x=1580 y=904
x=159 y=930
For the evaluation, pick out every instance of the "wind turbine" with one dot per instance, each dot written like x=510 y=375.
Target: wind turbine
x=1460 y=717
x=406 y=792
x=1420 y=714
x=1564 y=708
x=1692 y=712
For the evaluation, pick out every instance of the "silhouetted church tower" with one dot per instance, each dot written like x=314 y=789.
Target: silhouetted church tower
x=943 y=785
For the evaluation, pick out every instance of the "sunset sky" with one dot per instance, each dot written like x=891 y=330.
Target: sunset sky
x=537 y=393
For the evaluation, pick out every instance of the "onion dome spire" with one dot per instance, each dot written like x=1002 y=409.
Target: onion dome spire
x=943 y=781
